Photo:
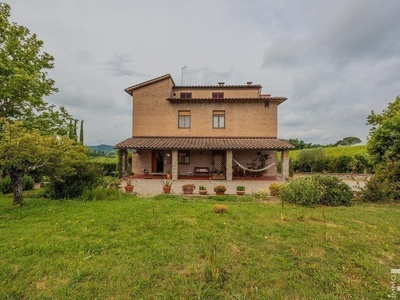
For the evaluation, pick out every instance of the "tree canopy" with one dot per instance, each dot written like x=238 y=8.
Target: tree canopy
x=384 y=138
x=348 y=141
x=24 y=81
x=23 y=150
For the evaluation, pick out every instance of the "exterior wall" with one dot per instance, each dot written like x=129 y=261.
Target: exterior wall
x=253 y=92
x=201 y=158
x=153 y=115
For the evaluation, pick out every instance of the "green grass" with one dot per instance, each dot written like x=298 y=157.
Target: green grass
x=178 y=248
x=338 y=151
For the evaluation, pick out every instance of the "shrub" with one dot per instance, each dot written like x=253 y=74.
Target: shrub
x=220 y=208
x=275 y=188
x=5 y=185
x=85 y=176
x=240 y=188
x=318 y=189
x=27 y=183
x=384 y=186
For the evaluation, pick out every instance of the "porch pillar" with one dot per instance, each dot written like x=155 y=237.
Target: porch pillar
x=285 y=164
x=174 y=167
x=229 y=157
x=122 y=162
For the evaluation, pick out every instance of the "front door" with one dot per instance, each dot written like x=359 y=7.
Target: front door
x=157 y=165
x=218 y=159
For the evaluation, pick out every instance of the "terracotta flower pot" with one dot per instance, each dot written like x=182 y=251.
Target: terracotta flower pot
x=129 y=188
x=220 y=193
x=203 y=192
x=187 y=191
x=167 y=189
x=240 y=193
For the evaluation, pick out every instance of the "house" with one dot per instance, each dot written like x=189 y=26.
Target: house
x=204 y=129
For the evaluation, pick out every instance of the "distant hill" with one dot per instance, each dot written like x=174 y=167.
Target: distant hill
x=102 y=149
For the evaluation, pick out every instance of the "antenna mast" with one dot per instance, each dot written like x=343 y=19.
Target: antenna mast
x=182 y=73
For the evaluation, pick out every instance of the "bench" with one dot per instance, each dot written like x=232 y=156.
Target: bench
x=201 y=171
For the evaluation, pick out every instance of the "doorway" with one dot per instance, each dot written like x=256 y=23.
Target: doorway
x=157 y=162
x=218 y=160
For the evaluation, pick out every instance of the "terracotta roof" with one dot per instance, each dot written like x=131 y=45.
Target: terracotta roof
x=258 y=86
x=212 y=143
x=129 y=90
x=201 y=100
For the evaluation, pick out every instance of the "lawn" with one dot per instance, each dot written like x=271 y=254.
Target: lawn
x=178 y=248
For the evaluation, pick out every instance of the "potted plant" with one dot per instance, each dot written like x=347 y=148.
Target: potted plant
x=202 y=190
x=129 y=186
x=188 y=188
x=166 y=184
x=218 y=174
x=220 y=189
x=168 y=174
x=240 y=190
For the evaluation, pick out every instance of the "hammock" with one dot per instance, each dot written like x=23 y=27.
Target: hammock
x=252 y=170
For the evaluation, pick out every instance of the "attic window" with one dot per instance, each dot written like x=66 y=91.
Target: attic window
x=186 y=95
x=218 y=95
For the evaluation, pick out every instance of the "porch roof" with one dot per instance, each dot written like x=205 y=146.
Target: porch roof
x=212 y=143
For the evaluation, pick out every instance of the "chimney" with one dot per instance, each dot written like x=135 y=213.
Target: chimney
x=221 y=83
x=249 y=82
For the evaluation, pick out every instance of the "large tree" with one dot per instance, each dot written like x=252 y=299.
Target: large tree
x=384 y=137
x=23 y=150
x=24 y=81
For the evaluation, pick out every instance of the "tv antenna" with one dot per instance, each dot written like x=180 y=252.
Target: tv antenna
x=182 y=72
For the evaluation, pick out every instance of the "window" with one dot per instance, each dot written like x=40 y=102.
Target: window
x=218 y=119
x=183 y=157
x=185 y=95
x=218 y=95
x=184 y=119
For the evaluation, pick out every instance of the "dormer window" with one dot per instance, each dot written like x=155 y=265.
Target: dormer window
x=218 y=95
x=186 y=95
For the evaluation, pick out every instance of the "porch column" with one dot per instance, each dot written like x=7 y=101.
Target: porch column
x=174 y=170
x=122 y=162
x=229 y=157
x=285 y=164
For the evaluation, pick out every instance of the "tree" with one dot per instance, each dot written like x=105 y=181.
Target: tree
x=81 y=133
x=384 y=148
x=24 y=80
x=311 y=157
x=23 y=150
x=384 y=138
x=348 y=141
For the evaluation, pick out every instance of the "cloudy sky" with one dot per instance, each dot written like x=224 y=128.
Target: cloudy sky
x=335 y=61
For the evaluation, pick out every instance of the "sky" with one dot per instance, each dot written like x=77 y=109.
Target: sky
x=335 y=61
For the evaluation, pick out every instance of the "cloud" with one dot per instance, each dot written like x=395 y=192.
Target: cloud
x=121 y=65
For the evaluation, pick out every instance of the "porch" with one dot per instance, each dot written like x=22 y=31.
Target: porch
x=204 y=158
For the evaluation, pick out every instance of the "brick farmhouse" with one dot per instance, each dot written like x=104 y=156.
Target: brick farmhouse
x=204 y=130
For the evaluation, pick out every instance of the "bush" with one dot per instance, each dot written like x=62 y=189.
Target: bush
x=314 y=190
x=275 y=189
x=27 y=183
x=6 y=186
x=220 y=208
x=85 y=176
x=384 y=186
x=109 y=168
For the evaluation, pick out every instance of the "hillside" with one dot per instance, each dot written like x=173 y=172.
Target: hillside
x=103 y=149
